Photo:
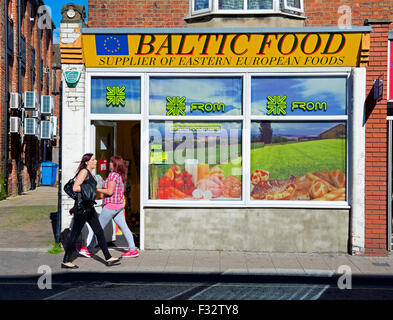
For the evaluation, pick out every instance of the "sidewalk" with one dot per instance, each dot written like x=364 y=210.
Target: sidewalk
x=23 y=250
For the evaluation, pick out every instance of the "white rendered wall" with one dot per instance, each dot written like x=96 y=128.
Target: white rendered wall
x=357 y=149
x=73 y=125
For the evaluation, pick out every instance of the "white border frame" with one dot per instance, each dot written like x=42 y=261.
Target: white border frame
x=288 y=7
x=201 y=11
x=213 y=9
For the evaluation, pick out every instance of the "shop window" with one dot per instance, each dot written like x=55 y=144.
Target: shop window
x=115 y=95
x=298 y=160
x=195 y=160
x=299 y=96
x=196 y=96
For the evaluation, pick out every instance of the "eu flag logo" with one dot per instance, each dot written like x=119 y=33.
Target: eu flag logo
x=114 y=45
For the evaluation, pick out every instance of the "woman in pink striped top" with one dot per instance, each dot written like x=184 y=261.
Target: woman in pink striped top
x=113 y=203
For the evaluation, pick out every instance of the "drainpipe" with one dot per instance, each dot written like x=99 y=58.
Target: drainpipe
x=60 y=121
x=19 y=91
x=6 y=98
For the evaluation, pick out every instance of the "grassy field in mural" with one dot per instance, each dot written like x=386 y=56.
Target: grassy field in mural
x=282 y=160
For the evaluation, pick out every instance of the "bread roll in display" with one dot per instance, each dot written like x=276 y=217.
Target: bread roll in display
x=338 y=178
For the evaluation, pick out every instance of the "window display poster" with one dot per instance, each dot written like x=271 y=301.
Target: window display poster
x=111 y=95
x=298 y=161
x=299 y=96
x=196 y=96
x=203 y=160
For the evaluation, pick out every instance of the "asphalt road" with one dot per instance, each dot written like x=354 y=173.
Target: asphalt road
x=213 y=287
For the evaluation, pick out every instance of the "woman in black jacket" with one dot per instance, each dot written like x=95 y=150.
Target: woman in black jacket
x=85 y=186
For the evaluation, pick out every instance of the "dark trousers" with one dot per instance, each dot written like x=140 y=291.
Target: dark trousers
x=90 y=216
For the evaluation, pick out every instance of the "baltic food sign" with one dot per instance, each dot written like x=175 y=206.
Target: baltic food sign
x=223 y=50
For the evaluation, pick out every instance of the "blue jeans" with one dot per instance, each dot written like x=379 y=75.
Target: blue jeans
x=117 y=215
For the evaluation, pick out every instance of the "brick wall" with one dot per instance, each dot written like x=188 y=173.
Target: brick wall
x=319 y=13
x=138 y=13
x=30 y=31
x=376 y=146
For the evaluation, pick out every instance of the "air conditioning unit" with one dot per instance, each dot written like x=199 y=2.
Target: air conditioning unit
x=46 y=105
x=30 y=100
x=46 y=130
x=15 y=100
x=53 y=119
x=15 y=124
x=30 y=126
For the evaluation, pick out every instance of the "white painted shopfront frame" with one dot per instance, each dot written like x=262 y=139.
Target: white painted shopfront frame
x=246 y=118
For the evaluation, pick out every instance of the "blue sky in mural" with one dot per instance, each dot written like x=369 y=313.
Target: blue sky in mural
x=99 y=95
x=296 y=128
x=331 y=90
x=205 y=90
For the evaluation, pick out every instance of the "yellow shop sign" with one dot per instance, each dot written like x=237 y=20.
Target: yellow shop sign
x=223 y=50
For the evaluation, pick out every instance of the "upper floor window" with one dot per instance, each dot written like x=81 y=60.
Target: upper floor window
x=245 y=6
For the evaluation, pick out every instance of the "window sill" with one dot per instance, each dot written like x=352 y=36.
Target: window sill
x=214 y=14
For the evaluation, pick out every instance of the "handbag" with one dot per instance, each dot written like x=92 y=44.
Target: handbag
x=68 y=189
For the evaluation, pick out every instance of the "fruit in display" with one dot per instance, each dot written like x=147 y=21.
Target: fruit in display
x=170 y=174
x=176 y=170
x=178 y=183
x=165 y=181
x=163 y=193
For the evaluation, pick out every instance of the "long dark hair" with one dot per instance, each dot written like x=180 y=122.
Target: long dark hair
x=119 y=167
x=82 y=164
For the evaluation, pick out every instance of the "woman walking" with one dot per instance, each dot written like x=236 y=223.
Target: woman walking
x=113 y=204
x=85 y=186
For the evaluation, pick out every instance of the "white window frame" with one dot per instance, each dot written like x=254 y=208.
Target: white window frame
x=246 y=118
x=201 y=11
x=213 y=9
x=288 y=7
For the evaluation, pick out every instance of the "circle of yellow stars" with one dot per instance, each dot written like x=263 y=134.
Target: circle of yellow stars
x=115 y=39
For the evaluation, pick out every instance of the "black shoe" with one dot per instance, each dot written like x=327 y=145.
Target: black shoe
x=64 y=266
x=112 y=262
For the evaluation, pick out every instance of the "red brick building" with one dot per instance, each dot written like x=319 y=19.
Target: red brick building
x=340 y=15
x=26 y=64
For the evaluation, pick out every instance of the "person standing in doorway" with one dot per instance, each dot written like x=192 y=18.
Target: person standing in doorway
x=113 y=204
x=85 y=186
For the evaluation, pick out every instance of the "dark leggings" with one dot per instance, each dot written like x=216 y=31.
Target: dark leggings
x=89 y=216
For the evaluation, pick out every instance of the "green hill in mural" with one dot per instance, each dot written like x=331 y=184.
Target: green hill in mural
x=282 y=160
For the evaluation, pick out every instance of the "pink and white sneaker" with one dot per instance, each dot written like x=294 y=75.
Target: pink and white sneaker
x=84 y=252
x=131 y=254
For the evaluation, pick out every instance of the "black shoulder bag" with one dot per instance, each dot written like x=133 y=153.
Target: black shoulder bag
x=68 y=189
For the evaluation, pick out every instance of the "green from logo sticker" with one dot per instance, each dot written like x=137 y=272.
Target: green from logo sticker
x=175 y=106
x=115 y=96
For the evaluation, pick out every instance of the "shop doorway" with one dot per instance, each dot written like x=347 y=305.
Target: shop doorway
x=121 y=138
